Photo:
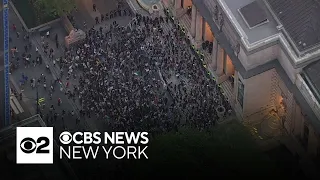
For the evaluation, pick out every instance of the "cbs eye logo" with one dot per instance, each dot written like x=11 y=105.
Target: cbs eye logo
x=34 y=145
x=29 y=145
x=65 y=137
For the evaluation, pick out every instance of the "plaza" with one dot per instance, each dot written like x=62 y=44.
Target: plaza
x=194 y=63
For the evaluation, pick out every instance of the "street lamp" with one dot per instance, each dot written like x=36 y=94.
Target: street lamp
x=38 y=109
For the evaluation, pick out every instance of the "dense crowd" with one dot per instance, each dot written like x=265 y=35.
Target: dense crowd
x=142 y=77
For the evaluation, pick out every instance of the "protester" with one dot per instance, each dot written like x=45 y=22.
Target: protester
x=143 y=77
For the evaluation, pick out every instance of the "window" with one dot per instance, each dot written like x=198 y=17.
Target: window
x=240 y=92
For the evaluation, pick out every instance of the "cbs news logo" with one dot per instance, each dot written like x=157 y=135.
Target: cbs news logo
x=34 y=145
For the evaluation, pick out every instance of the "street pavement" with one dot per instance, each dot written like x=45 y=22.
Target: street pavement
x=86 y=14
x=93 y=123
x=30 y=95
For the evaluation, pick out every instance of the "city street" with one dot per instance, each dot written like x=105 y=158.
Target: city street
x=31 y=71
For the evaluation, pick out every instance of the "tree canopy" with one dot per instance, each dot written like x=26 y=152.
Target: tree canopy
x=54 y=7
x=227 y=150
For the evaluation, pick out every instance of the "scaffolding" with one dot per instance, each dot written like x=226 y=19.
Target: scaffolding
x=5 y=11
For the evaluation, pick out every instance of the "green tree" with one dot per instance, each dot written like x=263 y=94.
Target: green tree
x=227 y=150
x=54 y=7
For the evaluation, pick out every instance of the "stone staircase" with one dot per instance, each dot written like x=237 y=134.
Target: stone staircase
x=181 y=13
x=227 y=90
x=185 y=21
x=207 y=60
x=170 y=6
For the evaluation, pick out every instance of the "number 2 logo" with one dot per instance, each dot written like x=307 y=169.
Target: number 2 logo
x=29 y=145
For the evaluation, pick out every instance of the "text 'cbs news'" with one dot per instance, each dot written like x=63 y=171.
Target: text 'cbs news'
x=35 y=145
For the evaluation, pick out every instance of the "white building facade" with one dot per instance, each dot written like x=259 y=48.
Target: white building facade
x=255 y=61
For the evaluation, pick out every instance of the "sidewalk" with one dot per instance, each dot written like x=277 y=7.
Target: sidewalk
x=29 y=94
x=93 y=123
x=85 y=9
x=55 y=70
x=26 y=104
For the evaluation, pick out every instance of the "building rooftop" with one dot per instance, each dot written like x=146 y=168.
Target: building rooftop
x=260 y=30
x=312 y=72
x=206 y=8
x=253 y=14
x=301 y=19
x=10 y=170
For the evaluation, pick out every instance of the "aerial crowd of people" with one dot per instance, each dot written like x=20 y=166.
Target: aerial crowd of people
x=141 y=77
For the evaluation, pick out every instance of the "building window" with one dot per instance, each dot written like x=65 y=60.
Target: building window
x=240 y=92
